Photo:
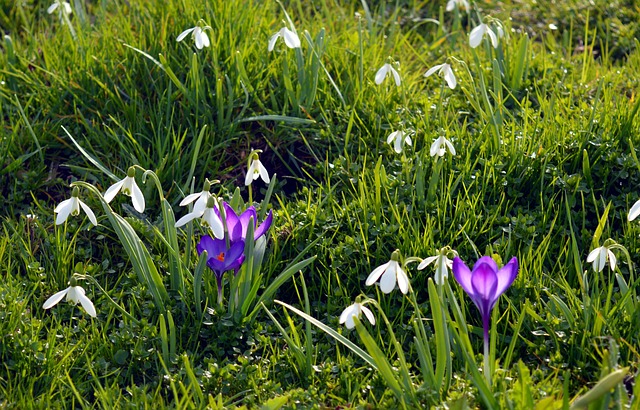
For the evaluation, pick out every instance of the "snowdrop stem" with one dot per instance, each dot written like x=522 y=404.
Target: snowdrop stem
x=113 y=302
x=250 y=193
x=156 y=180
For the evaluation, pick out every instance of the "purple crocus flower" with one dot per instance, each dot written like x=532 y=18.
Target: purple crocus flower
x=484 y=285
x=220 y=258
x=237 y=225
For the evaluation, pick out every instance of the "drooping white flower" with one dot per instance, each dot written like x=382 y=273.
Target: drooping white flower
x=383 y=71
x=356 y=310
x=390 y=273
x=200 y=198
x=442 y=265
x=199 y=36
x=128 y=187
x=72 y=206
x=290 y=38
x=256 y=170
x=208 y=217
x=74 y=294
x=439 y=147
x=477 y=34
x=398 y=139
x=64 y=6
x=634 y=211
x=599 y=258
x=452 y=4
x=445 y=71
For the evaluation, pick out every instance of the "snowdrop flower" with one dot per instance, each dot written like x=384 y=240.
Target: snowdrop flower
x=290 y=38
x=64 y=6
x=398 y=139
x=200 y=198
x=75 y=294
x=390 y=273
x=477 y=34
x=256 y=170
x=383 y=71
x=356 y=310
x=445 y=71
x=128 y=187
x=199 y=36
x=452 y=4
x=208 y=217
x=442 y=264
x=599 y=258
x=72 y=206
x=440 y=146
x=634 y=211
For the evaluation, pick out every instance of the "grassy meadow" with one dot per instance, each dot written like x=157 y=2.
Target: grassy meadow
x=524 y=146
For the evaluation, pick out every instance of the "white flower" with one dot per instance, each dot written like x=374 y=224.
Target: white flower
x=440 y=146
x=599 y=258
x=356 y=310
x=634 y=211
x=383 y=71
x=72 y=206
x=452 y=4
x=128 y=187
x=199 y=36
x=74 y=294
x=388 y=274
x=398 y=139
x=64 y=7
x=477 y=34
x=290 y=38
x=442 y=264
x=445 y=71
x=208 y=216
x=256 y=170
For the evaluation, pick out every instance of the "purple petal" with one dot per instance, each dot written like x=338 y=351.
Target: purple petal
x=488 y=260
x=506 y=276
x=245 y=218
x=212 y=246
x=234 y=225
x=484 y=281
x=463 y=275
x=264 y=226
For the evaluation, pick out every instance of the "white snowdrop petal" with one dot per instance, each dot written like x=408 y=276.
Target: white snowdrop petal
x=263 y=173
x=612 y=260
x=475 y=37
x=89 y=212
x=87 y=305
x=396 y=76
x=450 y=78
x=367 y=312
x=187 y=218
x=375 y=275
x=388 y=279
x=272 y=41
x=403 y=280
x=382 y=73
x=113 y=191
x=593 y=254
x=492 y=36
x=291 y=39
x=426 y=262
x=397 y=145
x=55 y=299
x=634 y=212
x=53 y=7
x=433 y=70
x=137 y=198
x=182 y=35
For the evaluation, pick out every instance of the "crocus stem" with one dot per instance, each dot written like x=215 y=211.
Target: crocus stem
x=219 y=282
x=487 y=367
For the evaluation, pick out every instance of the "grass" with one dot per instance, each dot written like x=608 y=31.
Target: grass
x=546 y=169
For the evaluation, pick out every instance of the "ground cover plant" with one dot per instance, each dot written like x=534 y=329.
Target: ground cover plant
x=319 y=204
